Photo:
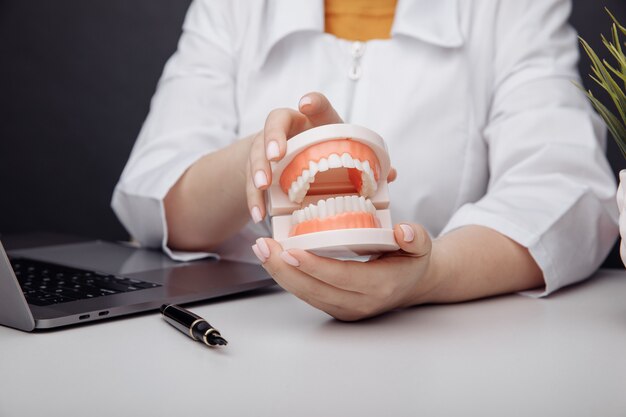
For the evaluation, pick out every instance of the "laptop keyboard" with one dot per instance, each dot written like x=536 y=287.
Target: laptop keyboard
x=45 y=284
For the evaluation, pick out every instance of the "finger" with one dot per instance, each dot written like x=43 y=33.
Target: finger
x=360 y=288
x=413 y=239
x=280 y=125
x=318 y=109
x=256 y=206
x=303 y=286
x=353 y=276
x=393 y=174
x=258 y=178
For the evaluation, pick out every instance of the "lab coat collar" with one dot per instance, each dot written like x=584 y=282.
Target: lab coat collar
x=432 y=21
x=284 y=17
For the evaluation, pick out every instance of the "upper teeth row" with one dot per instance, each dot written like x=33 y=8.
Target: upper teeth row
x=331 y=207
x=300 y=186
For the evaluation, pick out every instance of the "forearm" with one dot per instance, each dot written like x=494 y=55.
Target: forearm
x=476 y=262
x=208 y=203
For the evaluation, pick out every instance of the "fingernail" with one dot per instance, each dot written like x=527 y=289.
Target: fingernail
x=260 y=179
x=258 y=254
x=256 y=214
x=287 y=257
x=265 y=250
x=305 y=101
x=407 y=231
x=272 y=150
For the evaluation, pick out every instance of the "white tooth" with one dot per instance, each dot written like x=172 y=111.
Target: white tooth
x=294 y=191
x=323 y=165
x=307 y=213
x=347 y=161
x=314 y=211
x=358 y=165
x=373 y=183
x=366 y=165
x=339 y=205
x=365 y=183
x=369 y=183
x=355 y=203
x=313 y=169
x=321 y=207
x=300 y=195
x=330 y=207
x=334 y=161
x=370 y=206
x=301 y=216
x=362 y=203
x=347 y=204
x=306 y=176
x=294 y=218
x=291 y=195
x=300 y=182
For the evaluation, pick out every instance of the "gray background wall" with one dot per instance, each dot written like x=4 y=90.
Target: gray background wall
x=76 y=78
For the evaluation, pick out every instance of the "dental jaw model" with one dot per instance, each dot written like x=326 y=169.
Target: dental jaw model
x=329 y=194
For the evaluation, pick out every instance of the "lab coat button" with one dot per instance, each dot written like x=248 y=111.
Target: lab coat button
x=358 y=49
x=355 y=72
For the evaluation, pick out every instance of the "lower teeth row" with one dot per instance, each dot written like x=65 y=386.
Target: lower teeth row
x=332 y=207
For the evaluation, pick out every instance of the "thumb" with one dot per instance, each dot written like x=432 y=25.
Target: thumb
x=413 y=239
x=317 y=108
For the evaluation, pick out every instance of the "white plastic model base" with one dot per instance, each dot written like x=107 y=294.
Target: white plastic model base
x=333 y=176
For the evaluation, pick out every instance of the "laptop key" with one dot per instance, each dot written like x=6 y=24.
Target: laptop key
x=64 y=292
x=40 y=298
x=115 y=285
x=144 y=284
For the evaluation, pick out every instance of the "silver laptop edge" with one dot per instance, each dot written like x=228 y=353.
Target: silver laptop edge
x=14 y=310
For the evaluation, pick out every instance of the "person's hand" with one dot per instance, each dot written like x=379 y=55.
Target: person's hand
x=270 y=144
x=351 y=290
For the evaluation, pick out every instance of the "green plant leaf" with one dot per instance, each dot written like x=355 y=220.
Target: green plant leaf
x=614 y=71
x=606 y=75
x=607 y=81
x=616 y=128
x=621 y=28
x=615 y=51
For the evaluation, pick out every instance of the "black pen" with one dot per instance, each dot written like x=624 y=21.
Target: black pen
x=192 y=325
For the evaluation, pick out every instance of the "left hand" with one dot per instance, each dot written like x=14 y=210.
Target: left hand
x=352 y=290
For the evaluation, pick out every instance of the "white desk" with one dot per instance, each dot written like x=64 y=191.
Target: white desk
x=507 y=356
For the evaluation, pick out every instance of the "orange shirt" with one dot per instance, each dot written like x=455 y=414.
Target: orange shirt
x=359 y=20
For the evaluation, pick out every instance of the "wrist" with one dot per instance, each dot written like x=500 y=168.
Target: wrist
x=243 y=147
x=434 y=283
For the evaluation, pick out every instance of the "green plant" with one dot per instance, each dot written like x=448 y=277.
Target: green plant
x=605 y=75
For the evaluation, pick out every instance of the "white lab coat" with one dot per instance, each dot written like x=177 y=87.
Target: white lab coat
x=474 y=99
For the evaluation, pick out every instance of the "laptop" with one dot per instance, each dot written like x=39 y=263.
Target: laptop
x=59 y=285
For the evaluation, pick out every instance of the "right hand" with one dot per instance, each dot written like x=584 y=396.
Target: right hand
x=270 y=144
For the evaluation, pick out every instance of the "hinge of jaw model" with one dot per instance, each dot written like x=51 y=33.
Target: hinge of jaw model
x=329 y=194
